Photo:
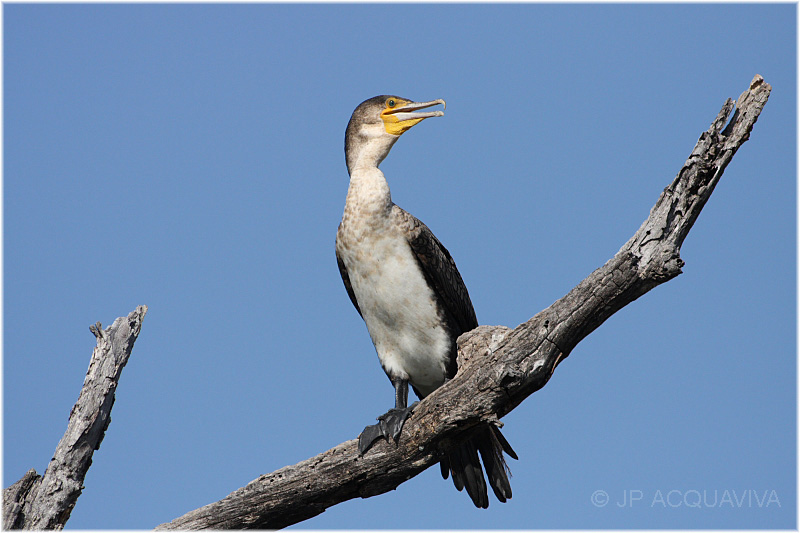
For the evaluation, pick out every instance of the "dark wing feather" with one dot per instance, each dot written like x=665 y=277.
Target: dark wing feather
x=440 y=271
x=346 y=281
x=461 y=460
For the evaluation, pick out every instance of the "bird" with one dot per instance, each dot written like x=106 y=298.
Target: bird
x=405 y=285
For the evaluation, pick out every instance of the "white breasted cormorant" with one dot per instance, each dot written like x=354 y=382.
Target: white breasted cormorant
x=406 y=287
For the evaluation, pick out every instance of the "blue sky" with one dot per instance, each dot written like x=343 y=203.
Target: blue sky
x=190 y=158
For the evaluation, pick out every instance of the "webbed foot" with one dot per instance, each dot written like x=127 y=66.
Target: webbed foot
x=389 y=426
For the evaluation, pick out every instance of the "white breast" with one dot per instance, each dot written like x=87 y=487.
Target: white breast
x=395 y=300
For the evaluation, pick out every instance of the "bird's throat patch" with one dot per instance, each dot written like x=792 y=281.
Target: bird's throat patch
x=398 y=127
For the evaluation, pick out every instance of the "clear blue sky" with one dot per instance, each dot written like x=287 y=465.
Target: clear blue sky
x=190 y=157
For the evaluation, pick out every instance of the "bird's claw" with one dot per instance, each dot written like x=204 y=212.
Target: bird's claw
x=389 y=426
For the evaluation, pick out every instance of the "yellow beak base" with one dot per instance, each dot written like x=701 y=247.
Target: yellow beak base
x=397 y=120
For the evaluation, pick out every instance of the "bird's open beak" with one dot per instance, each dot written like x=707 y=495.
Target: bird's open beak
x=400 y=119
x=408 y=111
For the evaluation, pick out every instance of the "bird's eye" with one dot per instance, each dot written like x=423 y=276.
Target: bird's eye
x=391 y=102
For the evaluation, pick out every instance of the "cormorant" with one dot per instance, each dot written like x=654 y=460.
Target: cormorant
x=406 y=287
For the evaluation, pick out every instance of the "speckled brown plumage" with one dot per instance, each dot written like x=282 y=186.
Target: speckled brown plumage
x=405 y=285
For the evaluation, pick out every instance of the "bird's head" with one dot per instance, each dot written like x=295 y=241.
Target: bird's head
x=377 y=123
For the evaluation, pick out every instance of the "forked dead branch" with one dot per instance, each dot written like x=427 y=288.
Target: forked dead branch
x=498 y=368
x=46 y=501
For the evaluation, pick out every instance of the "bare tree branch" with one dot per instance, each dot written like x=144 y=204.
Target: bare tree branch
x=498 y=367
x=45 y=502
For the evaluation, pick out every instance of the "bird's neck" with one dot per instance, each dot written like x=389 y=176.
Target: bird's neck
x=368 y=152
x=368 y=194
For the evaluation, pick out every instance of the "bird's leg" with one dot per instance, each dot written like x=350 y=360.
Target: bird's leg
x=400 y=393
x=390 y=424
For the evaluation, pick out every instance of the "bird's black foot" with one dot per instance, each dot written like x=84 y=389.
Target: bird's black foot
x=389 y=426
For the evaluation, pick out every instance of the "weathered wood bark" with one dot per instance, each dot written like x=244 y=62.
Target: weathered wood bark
x=498 y=367
x=45 y=502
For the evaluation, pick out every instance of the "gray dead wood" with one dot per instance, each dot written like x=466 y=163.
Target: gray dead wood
x=45 y=502
x=498 y=367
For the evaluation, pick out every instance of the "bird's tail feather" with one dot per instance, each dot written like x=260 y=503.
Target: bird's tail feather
x=462 y=462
